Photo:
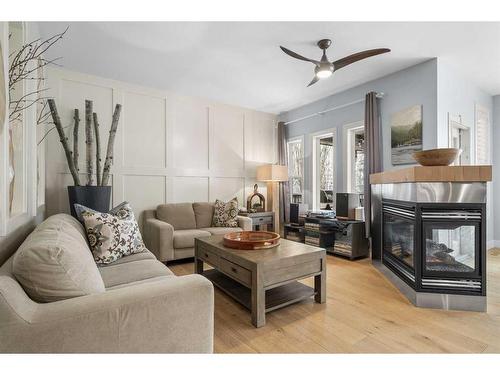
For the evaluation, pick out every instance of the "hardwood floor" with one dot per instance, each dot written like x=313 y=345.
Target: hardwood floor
x=364 y=313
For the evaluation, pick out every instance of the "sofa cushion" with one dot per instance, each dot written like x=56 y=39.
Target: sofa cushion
x=122 y=210
x=55 y=262
x=146 y=254
x=113 y=235
x=124 y=273
x=222 y=230
x=225 y=213
x=185 y=238
x=187 y=252
x=71 y=226
x=139 y=282
x=204 y=213
x=179 y=215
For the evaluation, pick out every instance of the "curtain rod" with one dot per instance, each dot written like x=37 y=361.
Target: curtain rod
x=379 y=95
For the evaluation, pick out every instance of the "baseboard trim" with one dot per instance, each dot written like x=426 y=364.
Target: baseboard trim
x=492 y=243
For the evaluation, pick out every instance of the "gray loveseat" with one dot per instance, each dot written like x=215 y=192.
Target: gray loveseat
x=170 y=230
x=142 y=305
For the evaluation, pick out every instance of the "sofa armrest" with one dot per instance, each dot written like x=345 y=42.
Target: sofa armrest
x=159 y=238
x=245 y=222
x=169 y=315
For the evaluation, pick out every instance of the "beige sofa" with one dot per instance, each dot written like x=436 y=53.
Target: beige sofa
x=143 y=306
x=170 y=230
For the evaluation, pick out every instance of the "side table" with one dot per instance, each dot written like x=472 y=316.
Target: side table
x=261 y=218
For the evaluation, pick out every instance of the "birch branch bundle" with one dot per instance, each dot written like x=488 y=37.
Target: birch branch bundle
x=111 y=141
x=88 y=141
x=97 y=150
x=91 y=126
x=64 y=141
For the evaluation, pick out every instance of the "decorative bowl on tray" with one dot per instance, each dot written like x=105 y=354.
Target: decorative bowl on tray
x=251 y=240
x=437 y=156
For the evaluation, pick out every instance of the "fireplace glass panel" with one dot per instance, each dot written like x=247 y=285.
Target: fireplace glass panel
x=450 y=248
x=399 y=238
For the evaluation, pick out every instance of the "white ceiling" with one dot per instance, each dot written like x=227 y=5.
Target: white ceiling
x=240 y=63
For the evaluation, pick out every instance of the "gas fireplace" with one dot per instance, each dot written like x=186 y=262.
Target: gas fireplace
x=436 y=247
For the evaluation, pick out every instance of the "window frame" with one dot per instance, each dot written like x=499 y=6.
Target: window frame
x=487 y=145
x=297 y=139
x=315 y=141
x=349 y=130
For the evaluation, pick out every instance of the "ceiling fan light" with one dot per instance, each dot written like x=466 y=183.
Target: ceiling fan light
x=324 y=73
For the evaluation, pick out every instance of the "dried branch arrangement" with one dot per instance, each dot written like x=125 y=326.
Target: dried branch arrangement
x=27 y=64
x=91 y=131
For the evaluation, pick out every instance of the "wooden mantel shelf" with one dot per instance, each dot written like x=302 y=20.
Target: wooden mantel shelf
x=467 y=173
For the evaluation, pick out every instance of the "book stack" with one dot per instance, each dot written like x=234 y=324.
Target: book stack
x=311 y=226
x=312 y=233
x=312 y=238
x=342 y=248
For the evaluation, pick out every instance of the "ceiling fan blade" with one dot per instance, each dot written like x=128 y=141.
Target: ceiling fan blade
x=358 y=56
x=297 y=56
x=314 y=80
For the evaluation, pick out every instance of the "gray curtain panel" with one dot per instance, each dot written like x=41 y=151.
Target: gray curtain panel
x=373 y=150
x=284 y=195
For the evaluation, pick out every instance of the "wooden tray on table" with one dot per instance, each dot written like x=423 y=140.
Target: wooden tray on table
x=251 y=240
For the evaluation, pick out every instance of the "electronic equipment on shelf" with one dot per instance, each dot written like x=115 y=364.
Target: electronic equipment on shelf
x=346 y=204
x=297 y=210
x=322 y=214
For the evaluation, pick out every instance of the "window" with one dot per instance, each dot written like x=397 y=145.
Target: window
x=482 y=135
x=324 y=188
x=355 y=157
x=295 y=150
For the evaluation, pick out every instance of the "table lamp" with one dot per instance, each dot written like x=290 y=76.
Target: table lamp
x=272 y=174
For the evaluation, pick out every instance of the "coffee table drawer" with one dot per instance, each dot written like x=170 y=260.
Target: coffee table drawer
x=236 y=272
x=276 y=275
x=208 y=256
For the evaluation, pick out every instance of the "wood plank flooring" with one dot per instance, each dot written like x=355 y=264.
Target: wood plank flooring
x=363 y=313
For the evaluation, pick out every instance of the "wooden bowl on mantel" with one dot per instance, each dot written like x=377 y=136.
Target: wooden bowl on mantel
x=437 y=156
x=251 y=240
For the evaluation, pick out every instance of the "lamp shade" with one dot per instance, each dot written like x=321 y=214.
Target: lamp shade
x=272 y=172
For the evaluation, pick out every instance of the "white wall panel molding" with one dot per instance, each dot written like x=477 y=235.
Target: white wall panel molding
x=226 y=188
x=190 y=189
x=31 y=198
x=169 y=148
x=144 y=130
x=144 y=192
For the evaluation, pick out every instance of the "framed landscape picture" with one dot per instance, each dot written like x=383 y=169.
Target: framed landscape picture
x=406 y=135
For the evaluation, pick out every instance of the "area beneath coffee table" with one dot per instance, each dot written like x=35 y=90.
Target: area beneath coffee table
x=276 y=298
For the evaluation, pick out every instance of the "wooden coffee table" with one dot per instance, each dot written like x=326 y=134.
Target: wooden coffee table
x=263 y=280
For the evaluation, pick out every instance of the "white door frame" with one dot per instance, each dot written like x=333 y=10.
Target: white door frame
x=455 y=123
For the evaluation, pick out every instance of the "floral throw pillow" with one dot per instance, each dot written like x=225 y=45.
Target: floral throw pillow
x=112 y=235
x=225 y=213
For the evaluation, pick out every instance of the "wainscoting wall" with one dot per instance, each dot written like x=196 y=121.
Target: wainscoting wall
x=169 y=148
x=14 y=227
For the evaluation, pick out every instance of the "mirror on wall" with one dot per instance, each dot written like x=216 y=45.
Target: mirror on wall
x=459 y=137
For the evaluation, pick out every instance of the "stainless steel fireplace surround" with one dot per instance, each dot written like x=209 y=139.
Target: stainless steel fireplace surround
x=429 y=240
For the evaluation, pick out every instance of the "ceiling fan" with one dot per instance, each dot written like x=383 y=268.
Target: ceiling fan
x=325 y=68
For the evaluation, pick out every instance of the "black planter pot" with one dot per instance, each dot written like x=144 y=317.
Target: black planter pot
x=94 y=197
